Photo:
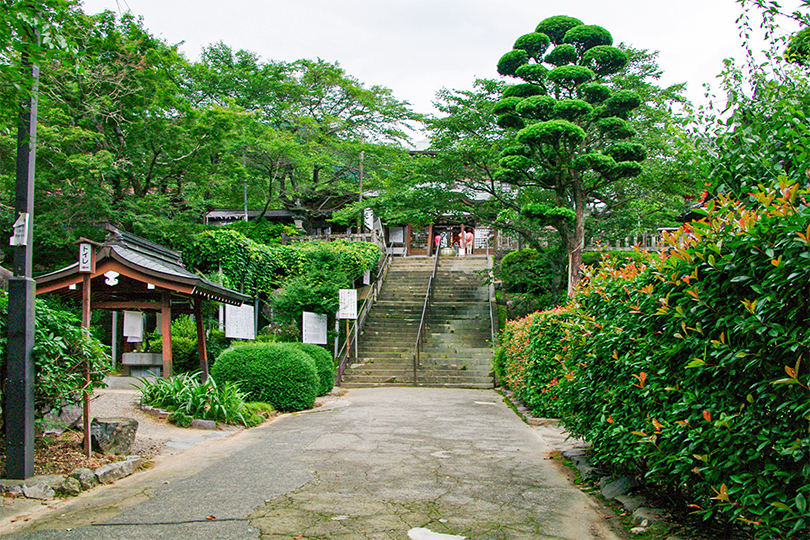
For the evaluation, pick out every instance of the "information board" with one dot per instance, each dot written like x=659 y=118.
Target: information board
x=239 y=322
x=314 y=325
x=348 y=304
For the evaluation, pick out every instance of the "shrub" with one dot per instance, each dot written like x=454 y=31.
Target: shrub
x=185 y=357
x=277 y=373
x=61 y=348
x=531 y=358
x=187 y=398
x=324 y=363
x=692 y=370
x=513 y=354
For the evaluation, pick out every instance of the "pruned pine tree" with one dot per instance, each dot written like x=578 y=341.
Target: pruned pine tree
x=573 y=135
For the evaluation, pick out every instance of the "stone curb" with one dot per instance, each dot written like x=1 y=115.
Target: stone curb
x=47 y=487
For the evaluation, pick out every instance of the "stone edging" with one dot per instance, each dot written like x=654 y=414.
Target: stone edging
x=47 y=487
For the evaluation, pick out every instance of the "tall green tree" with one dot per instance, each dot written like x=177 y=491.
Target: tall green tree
x=573 y=136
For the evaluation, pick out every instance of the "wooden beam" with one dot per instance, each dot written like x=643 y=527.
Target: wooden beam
x=131 y=304
x=430 y=244
x=201 y=348
x=166 y=330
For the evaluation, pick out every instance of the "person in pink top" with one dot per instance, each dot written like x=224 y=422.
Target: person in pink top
x=470 y=238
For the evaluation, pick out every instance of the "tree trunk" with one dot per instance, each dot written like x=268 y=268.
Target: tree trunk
x=575 y=240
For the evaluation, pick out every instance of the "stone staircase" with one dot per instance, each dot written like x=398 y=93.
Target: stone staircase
x=456 y=350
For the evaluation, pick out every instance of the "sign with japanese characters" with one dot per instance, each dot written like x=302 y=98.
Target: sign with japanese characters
x=314 y=325
x=348 y=304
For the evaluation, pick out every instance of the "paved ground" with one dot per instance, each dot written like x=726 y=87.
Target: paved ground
x=376 y=464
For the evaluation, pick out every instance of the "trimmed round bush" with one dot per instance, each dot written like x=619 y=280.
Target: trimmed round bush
x=552 y=133
x=587 y=36
x=511 y=61
x=277 y=373
x=562 y=55
x=534 y=44
x=604 y=59
x=522 y=90
x=556 y=27
x=324 y=364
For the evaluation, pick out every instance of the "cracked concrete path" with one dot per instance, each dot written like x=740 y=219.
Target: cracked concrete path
x=375 y=465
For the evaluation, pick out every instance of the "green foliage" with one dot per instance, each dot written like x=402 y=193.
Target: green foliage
x=262 y=231
x=324 y=363
x=532 y=280
x=61 y=348
x=187 y=398
x=688 y=368
x=761 y=132
x=185 y=356
x=586 y=37
x=277 y=373
x=534 y=44
x=511 y=61
x=556 y=27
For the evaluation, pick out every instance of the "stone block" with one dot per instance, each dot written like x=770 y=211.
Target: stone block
x=87 y=478
x=137 y=461
x=70 y=487
x=643 y=513
x=113 y=435
x=630 y=502
x=203 y=424
x=114 y=471
x=56 y=422
x=612 y=487
x=40 y=491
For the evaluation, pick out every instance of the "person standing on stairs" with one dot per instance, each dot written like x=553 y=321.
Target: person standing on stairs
x=470 y=238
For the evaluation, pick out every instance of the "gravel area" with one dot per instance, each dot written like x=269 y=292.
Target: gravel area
x=120 y=398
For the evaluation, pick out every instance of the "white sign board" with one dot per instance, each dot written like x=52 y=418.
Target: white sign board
x=367 y=277
x=314 y=328
x=20 y=237
x=348 y=304
x=85 y=257
x=239 y=322
x=396 y=235
x=368 y=218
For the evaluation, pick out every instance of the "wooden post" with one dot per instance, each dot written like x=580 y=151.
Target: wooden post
x=201 y=348
x=166 y=330
x=86 y=395
x=430 y=245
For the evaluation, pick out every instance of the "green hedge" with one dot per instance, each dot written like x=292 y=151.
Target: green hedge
x=277 y=373
x=691 y=369
x=324 y=363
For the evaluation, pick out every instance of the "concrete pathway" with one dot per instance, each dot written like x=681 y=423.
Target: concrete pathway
x=376 y=464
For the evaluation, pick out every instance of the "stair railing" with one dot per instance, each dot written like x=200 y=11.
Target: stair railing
x=417 y=350
x=493 y=328
x=342 y=357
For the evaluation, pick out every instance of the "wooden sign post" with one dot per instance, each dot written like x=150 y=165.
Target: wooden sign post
x=87 y=265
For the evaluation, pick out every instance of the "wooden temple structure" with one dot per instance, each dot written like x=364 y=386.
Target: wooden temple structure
x=128 y=272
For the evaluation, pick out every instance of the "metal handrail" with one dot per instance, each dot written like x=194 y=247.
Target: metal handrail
x=417 y=350
x=493 y=328
x=342 y=357
x=492 y=319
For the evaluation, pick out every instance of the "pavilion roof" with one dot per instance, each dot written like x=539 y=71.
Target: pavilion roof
x=144 y=266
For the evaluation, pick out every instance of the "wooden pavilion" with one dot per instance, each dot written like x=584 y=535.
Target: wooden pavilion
x=132 y=273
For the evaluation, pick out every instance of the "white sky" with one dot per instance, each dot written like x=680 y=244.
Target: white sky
x=416 y=47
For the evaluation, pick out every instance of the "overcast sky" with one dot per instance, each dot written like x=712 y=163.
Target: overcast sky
x=416 y=47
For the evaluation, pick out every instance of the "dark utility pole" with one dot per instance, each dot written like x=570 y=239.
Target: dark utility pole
x=19 y=388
